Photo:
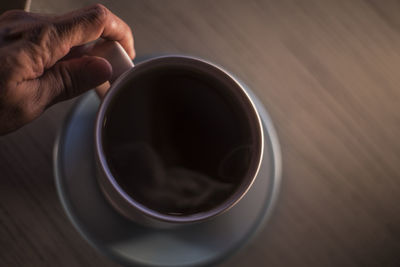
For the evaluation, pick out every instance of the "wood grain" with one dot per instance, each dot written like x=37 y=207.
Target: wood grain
x=329 y=74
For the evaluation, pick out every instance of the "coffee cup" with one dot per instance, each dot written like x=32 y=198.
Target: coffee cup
x=178 y=139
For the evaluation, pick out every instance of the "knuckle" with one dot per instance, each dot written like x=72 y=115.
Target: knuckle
x=40 y=33
x=98 y=13
x=100 y=10
x=53 y=37
x=60 y=29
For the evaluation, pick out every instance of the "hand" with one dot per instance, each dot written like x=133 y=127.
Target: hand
x=41 y=63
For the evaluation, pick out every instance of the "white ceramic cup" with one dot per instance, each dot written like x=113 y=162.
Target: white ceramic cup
x=228 y=95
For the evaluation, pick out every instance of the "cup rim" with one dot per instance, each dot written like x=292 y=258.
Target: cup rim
x=224 y=206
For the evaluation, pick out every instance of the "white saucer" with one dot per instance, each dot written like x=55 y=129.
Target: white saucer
x=130 y=244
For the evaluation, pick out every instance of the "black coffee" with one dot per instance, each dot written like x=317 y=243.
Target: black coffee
x=177 y=141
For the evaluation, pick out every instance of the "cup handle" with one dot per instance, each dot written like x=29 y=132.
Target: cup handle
x=113 y=52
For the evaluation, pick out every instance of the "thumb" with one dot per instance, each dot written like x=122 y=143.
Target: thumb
x=70 y=78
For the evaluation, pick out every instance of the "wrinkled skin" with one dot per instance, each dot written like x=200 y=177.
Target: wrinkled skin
x=41 y=63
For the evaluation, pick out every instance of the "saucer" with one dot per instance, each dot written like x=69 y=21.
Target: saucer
x=130 y=244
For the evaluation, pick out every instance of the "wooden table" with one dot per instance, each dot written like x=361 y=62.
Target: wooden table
x=329 y=74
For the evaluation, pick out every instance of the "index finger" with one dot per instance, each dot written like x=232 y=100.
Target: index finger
x=88 y=24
